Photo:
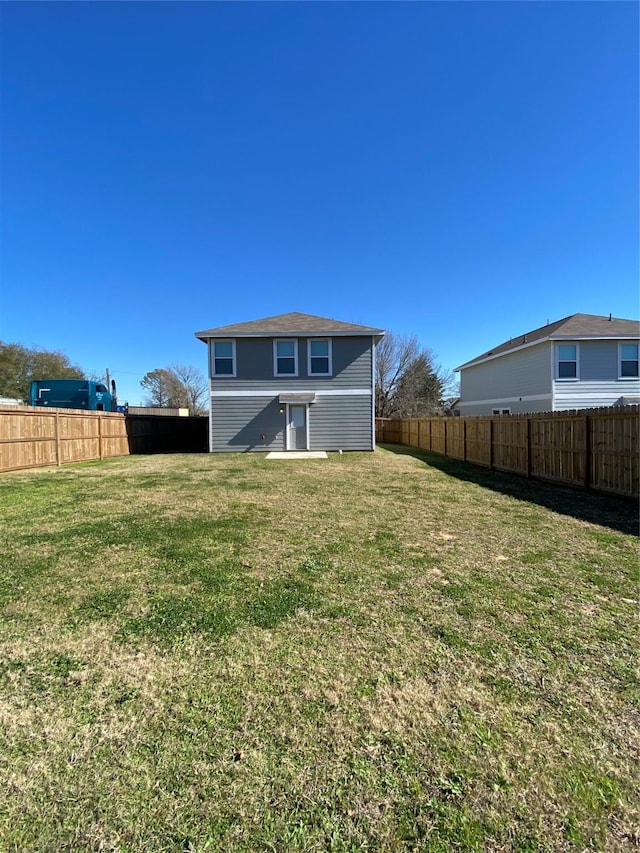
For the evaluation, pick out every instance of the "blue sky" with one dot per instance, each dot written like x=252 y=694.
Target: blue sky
x=460 y=171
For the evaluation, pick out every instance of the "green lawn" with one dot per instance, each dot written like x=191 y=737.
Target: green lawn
x=381 y=652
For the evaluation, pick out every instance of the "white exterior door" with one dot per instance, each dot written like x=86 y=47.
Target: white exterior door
x=297 y=428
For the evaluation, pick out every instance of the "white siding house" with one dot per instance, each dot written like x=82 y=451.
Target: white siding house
x=580 y=362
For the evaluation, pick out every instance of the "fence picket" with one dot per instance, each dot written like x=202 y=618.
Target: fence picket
x=595 y=449
x=33 y=437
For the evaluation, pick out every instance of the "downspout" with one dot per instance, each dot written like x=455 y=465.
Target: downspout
x=552 y=372
x=373 y=392
x=210 y=356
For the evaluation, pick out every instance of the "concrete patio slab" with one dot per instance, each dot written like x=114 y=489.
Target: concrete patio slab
x=297 y=454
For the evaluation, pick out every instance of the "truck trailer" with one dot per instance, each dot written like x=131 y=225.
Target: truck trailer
x=74 y=394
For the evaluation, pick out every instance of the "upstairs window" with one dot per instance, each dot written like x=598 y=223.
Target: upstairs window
x=224 y=358
x=567 y=361
x=319 y=357
x=628 y=361
x=285 y=354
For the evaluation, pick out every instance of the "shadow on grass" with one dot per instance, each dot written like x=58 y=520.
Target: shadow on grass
x=617 y=513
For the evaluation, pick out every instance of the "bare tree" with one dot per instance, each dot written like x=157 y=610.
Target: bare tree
x=409 y=380
x=180 y=386
x=194 y=386
x=163 y=389
x=394 y=355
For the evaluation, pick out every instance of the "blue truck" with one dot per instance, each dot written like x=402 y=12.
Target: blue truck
x=74 y=394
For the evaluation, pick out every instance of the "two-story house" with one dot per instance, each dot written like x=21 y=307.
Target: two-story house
x=579 y=362
x=291 y=382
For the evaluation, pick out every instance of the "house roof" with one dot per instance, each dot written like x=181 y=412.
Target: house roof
x=293 y=324
x=576 y=327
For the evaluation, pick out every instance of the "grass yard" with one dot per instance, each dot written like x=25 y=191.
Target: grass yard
x=375 y=652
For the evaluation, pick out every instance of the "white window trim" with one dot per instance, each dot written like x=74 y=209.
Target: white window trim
x=277 y=341
x=329 y=354
x=231 y=375
x=620 y=359
x=575 y=378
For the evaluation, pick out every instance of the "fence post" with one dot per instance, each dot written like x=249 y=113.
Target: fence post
x=587 y=452
x=445 y=438
x=528 y=446
x=100 y=435
x=464 y=439
x=491 y=444
x=57 y=432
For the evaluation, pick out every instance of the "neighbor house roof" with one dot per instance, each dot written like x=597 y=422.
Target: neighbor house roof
x=576 y=327
x=294 y=324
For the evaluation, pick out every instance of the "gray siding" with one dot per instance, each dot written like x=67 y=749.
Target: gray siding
x=238 y=424
x=336 y=420
x=255 y=367
x=598 y=383
x=335 y=423
x=340 y=423
x=504 y=381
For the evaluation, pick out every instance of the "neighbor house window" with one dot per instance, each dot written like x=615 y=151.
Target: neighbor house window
x=501 y=411
x=567 y=361
x=224 y=358
x=320 y=357
x=285 y=354
x=628 y=360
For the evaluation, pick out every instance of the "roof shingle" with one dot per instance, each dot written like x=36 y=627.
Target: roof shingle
x=294 y=324
x=574 y=327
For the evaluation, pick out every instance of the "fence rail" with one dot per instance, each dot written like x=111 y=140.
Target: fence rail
x=595 y=449
x=33 y=437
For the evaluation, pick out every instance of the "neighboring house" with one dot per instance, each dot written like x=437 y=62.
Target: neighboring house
x=579 y=362
x=291 y=382
x=452 y=407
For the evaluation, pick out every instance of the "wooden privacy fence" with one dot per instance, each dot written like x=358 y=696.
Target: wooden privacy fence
x=33 y=437
x=594 y=449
